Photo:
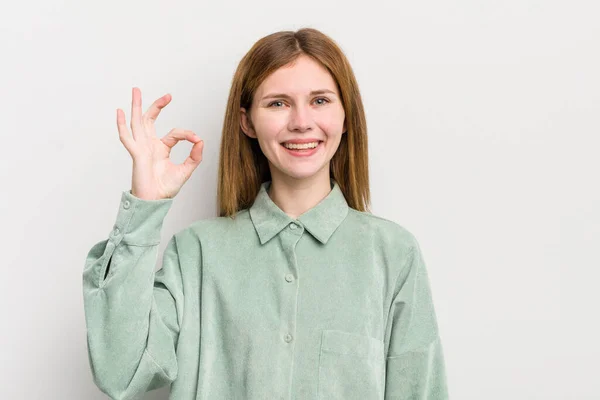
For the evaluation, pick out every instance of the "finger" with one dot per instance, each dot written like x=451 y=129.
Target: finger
x=175 y=135
x=124 y=134
x=193 y=160
x=136 y=110
x=155 y=108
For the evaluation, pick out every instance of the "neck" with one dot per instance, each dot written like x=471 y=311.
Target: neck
x=296 y=196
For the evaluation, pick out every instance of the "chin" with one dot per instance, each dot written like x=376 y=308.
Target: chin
x=300 y=174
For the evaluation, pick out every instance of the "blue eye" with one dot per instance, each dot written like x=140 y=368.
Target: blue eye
x=318 y=98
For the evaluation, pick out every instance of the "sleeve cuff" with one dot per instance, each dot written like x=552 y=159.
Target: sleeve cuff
x=139 y=222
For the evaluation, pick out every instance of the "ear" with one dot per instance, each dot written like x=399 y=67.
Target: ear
x=345 y=127
x=246 y=123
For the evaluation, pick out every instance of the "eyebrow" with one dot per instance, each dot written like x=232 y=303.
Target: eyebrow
x=285 y=96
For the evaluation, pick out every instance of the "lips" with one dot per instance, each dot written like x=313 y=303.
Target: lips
x=303 y=153
x=302 y=141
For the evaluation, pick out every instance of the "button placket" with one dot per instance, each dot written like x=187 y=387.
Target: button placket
x=288 y=274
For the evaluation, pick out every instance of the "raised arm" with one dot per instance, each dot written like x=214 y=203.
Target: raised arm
x=133 y=314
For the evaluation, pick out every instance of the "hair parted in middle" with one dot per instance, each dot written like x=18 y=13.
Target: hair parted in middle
x=242 y=165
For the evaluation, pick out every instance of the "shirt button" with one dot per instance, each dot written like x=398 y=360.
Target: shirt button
x=289 y=277
x=126 y=204
x=116 y=231
x=293 y=226
x=288 y=338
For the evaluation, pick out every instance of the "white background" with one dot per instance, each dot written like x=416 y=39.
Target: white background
x=483 y=121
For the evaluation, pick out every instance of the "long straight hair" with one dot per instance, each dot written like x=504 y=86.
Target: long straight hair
x=242 y=165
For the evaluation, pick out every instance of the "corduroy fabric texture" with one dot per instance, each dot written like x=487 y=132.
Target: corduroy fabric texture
x=335 y=304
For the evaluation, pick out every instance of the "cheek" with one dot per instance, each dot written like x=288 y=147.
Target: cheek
x=332 y=123
x=270 y=125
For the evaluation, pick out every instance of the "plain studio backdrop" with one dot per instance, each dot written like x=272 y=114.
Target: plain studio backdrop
x=483 y=121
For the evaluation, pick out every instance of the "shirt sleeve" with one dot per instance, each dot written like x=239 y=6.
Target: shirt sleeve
x=133 y=314
x=414 y=360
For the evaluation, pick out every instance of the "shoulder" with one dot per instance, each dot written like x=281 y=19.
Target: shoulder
x=217 y=227
x=391 y=234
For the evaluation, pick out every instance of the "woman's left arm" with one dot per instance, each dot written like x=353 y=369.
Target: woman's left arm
x=415 y=367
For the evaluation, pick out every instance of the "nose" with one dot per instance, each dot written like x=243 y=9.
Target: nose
x=300 y=119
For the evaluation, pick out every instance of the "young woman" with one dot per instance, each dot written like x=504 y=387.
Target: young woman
x=295 y=291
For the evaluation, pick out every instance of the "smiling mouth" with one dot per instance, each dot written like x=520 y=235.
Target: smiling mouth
x=310 y=148
x=307 y=151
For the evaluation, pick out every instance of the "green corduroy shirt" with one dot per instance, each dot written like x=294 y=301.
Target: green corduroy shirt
x=335 y=304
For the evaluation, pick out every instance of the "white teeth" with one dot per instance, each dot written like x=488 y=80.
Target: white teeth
x=301 y=146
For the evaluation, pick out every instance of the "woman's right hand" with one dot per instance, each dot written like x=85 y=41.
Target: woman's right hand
x=154 y=176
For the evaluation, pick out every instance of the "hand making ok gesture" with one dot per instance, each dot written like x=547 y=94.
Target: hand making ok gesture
x=154 y=176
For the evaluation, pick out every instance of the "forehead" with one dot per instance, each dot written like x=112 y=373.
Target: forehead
x=304 y=75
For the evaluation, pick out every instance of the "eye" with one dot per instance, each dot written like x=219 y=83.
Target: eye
x=323 y=98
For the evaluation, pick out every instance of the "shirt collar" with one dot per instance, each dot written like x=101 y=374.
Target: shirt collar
x=321 y=220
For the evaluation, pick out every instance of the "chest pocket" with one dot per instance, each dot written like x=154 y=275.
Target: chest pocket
x=351 y=366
